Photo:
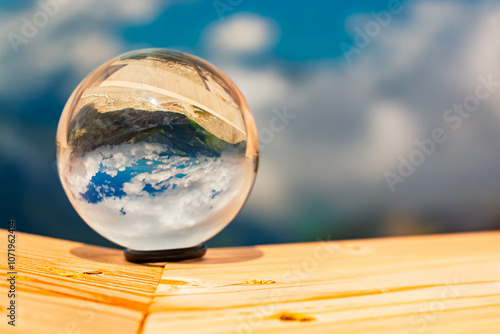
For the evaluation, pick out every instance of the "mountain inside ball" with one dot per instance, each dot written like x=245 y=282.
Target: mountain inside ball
x=157 y=151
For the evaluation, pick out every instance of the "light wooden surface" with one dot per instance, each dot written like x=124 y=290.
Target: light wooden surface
x=54 y=295
x=433 y=284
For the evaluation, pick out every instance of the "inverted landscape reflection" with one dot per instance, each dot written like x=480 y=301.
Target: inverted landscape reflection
x=137 y=163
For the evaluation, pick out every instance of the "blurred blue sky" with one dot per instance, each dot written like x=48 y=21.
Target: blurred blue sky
x=352 y=118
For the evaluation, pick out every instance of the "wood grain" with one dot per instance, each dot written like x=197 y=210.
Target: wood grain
x=433 y=284
x=430 y=284
x=68 y=287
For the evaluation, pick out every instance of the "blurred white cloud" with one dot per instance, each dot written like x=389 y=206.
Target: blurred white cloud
x=243 y=33
x=76 y=36
x=354 y=120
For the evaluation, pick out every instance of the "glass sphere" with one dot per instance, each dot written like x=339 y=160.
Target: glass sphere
x=157 y=149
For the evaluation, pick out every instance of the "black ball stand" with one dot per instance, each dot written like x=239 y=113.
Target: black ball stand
x=167 y=255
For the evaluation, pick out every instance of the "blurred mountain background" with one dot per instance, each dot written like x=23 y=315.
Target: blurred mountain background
x=347 y=98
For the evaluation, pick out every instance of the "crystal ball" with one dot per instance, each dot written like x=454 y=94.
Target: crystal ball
x=157 y=150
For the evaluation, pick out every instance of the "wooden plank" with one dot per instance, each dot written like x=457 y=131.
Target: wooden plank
x=69 y=287
x=431 y=284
